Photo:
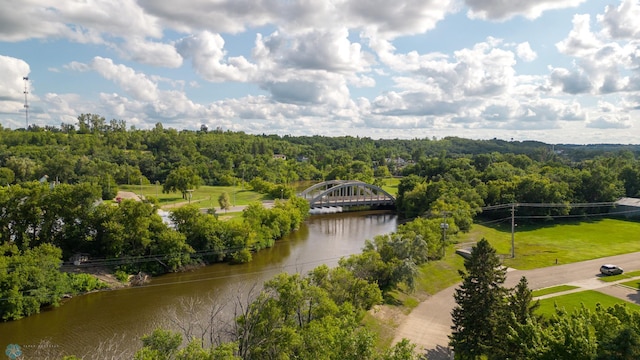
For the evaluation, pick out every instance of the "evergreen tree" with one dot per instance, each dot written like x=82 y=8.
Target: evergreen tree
x=480 y=300
x=521 y=304
x=517 y=313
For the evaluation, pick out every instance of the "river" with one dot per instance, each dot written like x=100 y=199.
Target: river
x=112 y=322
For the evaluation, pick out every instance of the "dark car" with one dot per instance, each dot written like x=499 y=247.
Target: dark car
x=608 y=269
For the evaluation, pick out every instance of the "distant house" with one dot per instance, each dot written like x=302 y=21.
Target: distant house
x=627 y=207
x=79 y=258
x=280 y=156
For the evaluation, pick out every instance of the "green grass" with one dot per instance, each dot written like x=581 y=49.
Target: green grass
x=632 y=284
x=553 y=290
x=204 y=196
x=575 y=300
x=438 y=275
x=542 y=245
x=391 y=185
x=622 y=276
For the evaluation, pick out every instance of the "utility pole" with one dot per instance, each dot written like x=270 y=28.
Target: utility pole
x=444 y=226
x=26 y=103
x=513 y=230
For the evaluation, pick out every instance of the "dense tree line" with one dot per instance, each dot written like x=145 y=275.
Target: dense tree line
x=31 y=279
x=493 y=322
x=72 y=218
x=109 y=153
x=461 y=185
x=58 y=222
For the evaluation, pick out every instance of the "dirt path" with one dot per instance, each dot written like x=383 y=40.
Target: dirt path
x=128 y=195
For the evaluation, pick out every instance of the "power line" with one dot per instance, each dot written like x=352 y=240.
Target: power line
x=548 y=205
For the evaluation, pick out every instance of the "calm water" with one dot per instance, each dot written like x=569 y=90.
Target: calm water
x=89 y=324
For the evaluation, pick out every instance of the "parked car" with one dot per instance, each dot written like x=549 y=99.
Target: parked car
x=609 y=269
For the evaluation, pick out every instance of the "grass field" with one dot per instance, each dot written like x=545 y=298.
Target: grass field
x=204 y=196
x=553 y=290
x=542 y=245
x=575 y=300
x=391 y=185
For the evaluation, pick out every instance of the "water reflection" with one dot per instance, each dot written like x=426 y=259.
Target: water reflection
x=122 y=316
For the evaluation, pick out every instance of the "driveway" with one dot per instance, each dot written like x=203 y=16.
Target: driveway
x=429 y=324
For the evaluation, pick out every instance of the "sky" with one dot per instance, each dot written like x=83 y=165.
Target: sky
x=557 y=71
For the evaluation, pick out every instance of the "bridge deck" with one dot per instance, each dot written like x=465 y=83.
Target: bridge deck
x=346 y=193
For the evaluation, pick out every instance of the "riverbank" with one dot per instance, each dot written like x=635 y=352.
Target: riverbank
x=99 y=272
x=87 y=323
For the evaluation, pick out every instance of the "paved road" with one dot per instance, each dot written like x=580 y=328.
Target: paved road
x=429 y=324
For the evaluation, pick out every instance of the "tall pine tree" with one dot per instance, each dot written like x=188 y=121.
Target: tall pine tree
x=480 y=300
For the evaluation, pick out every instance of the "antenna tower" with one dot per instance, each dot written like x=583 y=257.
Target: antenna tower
x=26 y=103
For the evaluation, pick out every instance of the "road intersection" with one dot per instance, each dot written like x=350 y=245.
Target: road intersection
x=429 y=324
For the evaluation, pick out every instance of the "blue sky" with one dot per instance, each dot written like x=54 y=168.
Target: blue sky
x=559 y=71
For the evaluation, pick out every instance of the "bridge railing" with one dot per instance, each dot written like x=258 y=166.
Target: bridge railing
x=346 y=193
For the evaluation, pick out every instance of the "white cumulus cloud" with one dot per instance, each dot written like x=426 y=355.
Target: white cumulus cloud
x=525 y=52
x=503 y=10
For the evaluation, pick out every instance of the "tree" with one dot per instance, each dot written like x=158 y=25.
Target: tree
x=7 y=176
x=512 y=342
x=521 y=303
x=224 y=201
x=181 y=179
x=479 y=301
x=159 y=345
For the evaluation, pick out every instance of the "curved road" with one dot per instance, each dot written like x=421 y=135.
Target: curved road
x=429 y=324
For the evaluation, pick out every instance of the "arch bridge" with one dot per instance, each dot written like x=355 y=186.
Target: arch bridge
x=346 y=193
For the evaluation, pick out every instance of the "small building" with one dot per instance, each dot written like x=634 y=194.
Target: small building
x=280 y=156
x=627 y=207
x=79 y=258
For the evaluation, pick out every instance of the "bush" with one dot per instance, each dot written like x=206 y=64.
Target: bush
x=242 y=256
x=122 y=276
x=81 y=283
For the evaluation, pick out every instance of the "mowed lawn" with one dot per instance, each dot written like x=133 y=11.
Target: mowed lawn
x=588 y=298
x=203 y=197
x=542 y=245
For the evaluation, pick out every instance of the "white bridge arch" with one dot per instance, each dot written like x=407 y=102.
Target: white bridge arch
x=346 y=193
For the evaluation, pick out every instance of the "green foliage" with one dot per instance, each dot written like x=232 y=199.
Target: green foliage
x=225 y=201
x=80 y=283
x=159 y=345
x=7 y=176
x=122 y=276
x=293 y=317
x=30 y=279
x=479 y=302
x=388 y=261
x=241 y=256
x=182 y=179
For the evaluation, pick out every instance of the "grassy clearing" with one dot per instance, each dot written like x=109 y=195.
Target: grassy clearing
x=204 y=196
x=627 y=275
x=575 y=300
x=553 y=290
x=438 y=275
x=391 y=185
x=542 y=245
